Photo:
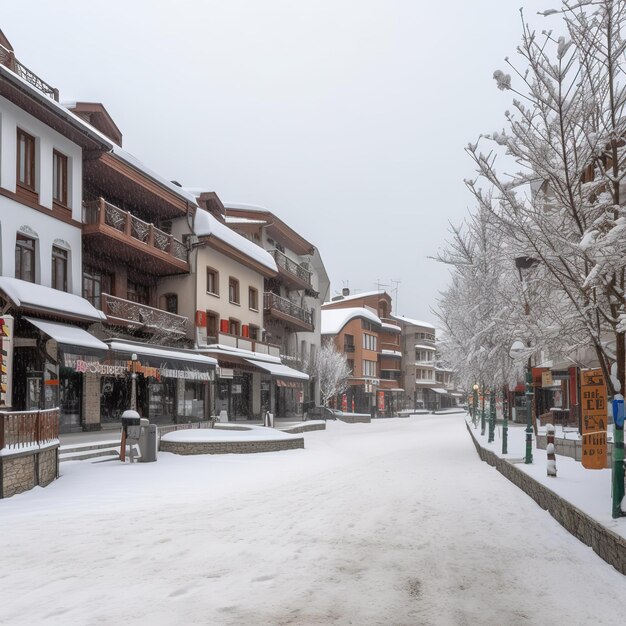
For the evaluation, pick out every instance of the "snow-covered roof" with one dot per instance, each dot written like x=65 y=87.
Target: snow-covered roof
x=39 y=298
x=425 y=347
x=244 y=206
x=222 y=350
x=111 y=145
x=392 y=327
x=229 y=219
x=333 y=320
x=205 y=225
x=68 y=335
x=279 y=370
x=408 y=320
x=356 y=296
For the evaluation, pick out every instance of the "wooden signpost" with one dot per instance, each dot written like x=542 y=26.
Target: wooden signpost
x=594 y=418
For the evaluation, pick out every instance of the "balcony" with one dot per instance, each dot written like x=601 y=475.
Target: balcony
x=142 y=317
x=124 y=236
x=348 y=347
x=387 y=345
x=7 y=58
x=291 y=272
x=245 y=343
x=288 y=312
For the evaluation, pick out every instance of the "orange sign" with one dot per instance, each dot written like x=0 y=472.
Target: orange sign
x=594 y=418
x=381 y=400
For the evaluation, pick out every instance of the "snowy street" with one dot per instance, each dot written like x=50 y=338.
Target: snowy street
x=394 y=522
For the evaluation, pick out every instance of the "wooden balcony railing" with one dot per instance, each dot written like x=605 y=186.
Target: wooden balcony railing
x=143 y=316
x=104 y=213
x=7 y=58
x=22 y=429
x=273 y=302
x=290 y=266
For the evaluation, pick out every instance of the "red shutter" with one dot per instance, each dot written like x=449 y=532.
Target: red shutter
x=200 y=318
x=224 y=326
x=245 y=330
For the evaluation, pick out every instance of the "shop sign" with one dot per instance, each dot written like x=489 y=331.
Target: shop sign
x=344 y=403
x=381 y=400
x=594 y=419
x=546 y=379
x=6 y=360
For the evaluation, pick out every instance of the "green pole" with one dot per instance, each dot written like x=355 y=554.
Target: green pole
x=492 y=416
x=617 y=488
x=505 y=422
x=475 y=403
x=529 y=415
x=482 y=414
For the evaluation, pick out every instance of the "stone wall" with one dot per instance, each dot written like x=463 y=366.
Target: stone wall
x=355 y=418
x=231 y=447
x=303 y=428
x=24 y=470
x=605 y=543
x=573 y=448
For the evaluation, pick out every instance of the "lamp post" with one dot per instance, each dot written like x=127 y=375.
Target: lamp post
x=133 y=382
x=475 y=405
x=517 y=352
x=492 y=415
x=505 y=421
x=482 y=413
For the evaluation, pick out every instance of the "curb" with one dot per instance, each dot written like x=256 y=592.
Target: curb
x=604 y=542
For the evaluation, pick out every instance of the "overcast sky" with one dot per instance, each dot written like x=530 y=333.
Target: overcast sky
x=346 y=118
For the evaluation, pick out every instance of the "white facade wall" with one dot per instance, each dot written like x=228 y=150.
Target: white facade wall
x=16 y=217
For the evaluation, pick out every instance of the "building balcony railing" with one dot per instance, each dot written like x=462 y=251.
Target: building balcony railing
x=7 y=58
x=293 y=272
x=348 y=347
x=245 y=343
x=386 y=345
x=103 y=218
x=287 y=311
x=391 y=322
x=425 y=342
x=23 y=429
x=142 y=316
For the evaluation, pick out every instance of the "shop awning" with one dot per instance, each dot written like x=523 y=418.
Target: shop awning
x=439 y=390
x=278 y=370
x=161 y=354
x=68 y=335
x=37 y=298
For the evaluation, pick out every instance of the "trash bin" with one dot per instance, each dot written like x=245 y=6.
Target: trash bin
x=148 y=442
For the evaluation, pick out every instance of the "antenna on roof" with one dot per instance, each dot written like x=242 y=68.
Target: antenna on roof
x=379 y=284
x=395 y=290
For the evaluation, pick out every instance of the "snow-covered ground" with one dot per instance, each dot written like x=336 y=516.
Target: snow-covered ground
x=393 y=522
x=589 y=490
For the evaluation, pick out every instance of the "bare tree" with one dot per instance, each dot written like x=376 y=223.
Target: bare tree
x=331 y=369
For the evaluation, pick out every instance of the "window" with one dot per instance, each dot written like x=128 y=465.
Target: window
x=95 y=283
x=255 y=332
x=368 y=325
x=136 y=292
x=253 y=299
x=212 y=281
x=369 y=342
x=25 y=160
x=59 y=268
x=171 y=303
x=25 y=258
x=233 y=326
x=348 y=343
x=369 y=368
x=59 y=178
x=233 y=290
x=212 y=324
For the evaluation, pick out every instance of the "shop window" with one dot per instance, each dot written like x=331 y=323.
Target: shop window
x=233 y=290
x=25 y=160
x=253 y=299
x=59 y=268
x=234 y=326
x=212 y=281
x=136 y=292
x=95 y=283
x=25 y=258
x=212 y=322
x=59 y=178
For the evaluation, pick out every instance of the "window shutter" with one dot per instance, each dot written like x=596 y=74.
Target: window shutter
x=245 y=330
x=224 y=326
x=200 y=318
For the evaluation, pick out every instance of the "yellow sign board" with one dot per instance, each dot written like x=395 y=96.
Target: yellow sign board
x=593 y=407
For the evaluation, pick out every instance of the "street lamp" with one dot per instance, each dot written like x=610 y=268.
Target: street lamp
x=482 y=413
x=517 y=352
x=492 y=415
x=475 y=405
x=133 y=382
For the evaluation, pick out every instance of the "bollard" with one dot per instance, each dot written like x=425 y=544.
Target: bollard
x=550 y=450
